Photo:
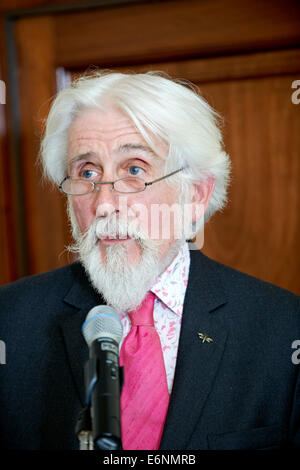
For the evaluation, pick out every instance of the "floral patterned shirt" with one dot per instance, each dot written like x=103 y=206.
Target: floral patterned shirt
x=170 y=290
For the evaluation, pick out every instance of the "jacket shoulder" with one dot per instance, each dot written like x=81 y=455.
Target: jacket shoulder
x=58 y=278
x=246 y=289
x=33 y=296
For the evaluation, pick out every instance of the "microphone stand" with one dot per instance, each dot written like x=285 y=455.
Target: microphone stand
x=85 y=427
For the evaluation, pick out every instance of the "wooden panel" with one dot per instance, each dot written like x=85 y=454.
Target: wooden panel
x=259 y=231
x=240 y=66
x=13 y=5
x=7 y=233
x=8 y=244
x=45 y=214
x=165 y=30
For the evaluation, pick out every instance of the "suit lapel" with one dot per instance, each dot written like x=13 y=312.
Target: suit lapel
x=83 y=297
x=197 y=361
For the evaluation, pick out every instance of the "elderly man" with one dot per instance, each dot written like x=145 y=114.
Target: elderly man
x=206 y=350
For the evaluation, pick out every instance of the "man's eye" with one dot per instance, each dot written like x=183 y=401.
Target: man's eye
x=135 y=170
x=88 y=174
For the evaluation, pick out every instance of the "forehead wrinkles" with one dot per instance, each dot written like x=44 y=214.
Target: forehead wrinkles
x=93 y=128
x=115 y=144
x=112 y=135
x=103 y=135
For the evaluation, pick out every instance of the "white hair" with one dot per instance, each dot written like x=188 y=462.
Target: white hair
x=171 y=110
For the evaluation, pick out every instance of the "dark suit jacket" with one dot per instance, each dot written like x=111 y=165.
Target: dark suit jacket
x=240 y=391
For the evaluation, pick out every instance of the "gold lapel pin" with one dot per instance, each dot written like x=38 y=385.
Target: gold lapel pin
x=204 y=338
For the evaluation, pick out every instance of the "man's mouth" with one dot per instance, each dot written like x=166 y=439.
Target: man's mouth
x=114 y=238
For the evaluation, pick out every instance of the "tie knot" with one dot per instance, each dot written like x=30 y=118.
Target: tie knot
x=143 y=315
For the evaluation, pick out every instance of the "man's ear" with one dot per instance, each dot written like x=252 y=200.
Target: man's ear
x=201 y=194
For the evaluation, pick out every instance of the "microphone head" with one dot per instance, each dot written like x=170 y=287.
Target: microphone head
x=102 y=321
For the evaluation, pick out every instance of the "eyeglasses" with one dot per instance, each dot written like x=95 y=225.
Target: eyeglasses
x=130 y=184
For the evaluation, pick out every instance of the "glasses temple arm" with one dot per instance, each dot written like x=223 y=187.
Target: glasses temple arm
x=166 y=176
x=60 y=185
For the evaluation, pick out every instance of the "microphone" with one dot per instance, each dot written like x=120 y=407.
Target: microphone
x=102 y=331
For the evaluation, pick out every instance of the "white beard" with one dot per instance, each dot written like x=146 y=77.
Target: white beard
x=122 y=286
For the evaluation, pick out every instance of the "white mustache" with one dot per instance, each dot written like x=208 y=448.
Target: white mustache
x=113 y=228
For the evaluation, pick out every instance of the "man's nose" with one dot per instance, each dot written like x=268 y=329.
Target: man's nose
x=106 y=199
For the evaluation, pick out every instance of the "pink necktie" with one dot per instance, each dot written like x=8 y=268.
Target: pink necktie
x=145 y=397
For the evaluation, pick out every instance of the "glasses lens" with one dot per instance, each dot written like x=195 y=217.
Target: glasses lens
x=77 y=187
x=129 y=185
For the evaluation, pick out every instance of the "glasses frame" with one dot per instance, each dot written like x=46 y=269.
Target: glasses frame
x=148 y=183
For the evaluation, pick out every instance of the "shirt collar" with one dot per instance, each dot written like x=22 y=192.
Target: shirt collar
x=171 y=285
